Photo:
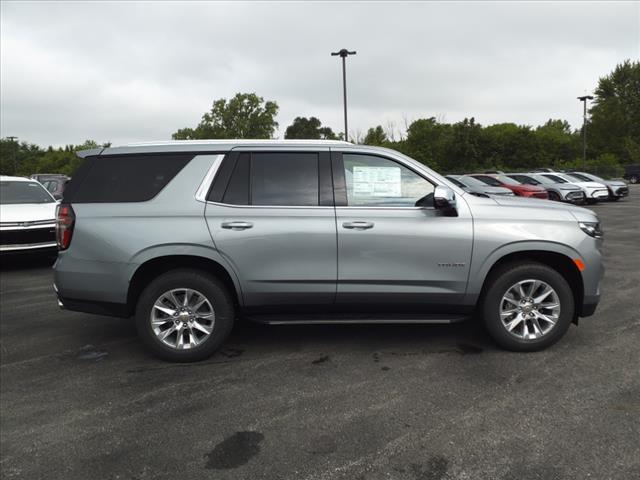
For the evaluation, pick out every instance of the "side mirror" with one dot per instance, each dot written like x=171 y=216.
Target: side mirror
x=445 y=199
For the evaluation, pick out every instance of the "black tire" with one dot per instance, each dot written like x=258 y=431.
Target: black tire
x=614 y=199
x=553 y=196
x=215 y=292
x=500 y=282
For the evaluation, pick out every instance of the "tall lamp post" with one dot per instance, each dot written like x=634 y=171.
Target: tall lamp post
x=584 y=99
x=344 y=53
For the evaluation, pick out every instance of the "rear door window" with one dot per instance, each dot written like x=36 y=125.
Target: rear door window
x=285 y=179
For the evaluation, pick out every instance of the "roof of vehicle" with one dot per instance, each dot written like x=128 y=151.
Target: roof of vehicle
x=206 y=146
x=7 y=178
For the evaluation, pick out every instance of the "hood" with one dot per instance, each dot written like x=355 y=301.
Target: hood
x=495 y=190
x=27 y=212
x=532 y=188
x=567 y=186
x=616 y=183
x=581 y=214
x=591 y=184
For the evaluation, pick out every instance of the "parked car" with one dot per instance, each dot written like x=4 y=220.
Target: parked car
x=540 y=170
x=188 y=236
x=632 y=173
x=594 y=191
x=53 y=182
x=473 y=185
x=519 y=189
x=27 y=217
x=559 y=192
x=617 y=188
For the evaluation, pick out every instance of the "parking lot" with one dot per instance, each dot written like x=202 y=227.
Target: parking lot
x=80 y=396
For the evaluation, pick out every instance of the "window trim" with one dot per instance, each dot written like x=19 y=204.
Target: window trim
x=325 y=178
x=342 y=201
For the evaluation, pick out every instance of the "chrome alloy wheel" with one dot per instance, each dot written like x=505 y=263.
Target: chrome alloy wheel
x=182 y=318
x=530 y=309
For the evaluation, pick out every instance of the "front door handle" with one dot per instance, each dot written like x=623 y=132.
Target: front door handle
x=358 y=225
x=237 y=225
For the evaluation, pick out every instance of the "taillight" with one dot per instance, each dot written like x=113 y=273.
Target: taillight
x=65 y=220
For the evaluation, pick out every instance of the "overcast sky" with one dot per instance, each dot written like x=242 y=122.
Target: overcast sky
x=126 y=72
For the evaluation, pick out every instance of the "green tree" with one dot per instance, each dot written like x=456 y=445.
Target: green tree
x=557 y=143
x=426 y=141
x=376 y=136
x=244 y=116
x=309 y=128
x=615 y=115
x=462 y=151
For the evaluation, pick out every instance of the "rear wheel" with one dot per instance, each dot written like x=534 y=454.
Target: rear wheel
x=184 y=315
x=527 y=307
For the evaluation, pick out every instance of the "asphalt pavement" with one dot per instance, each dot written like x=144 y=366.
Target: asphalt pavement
x=81 y=399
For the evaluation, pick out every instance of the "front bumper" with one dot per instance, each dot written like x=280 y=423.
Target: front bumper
x=574 y=196
x=619 y=192
x=601 y=194
x=31 y=238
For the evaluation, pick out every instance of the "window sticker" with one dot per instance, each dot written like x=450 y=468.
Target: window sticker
x=377 y=181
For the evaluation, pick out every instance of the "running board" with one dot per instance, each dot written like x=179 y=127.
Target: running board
x=289 y=319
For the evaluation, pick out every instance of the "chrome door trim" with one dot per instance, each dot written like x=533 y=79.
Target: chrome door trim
x=205 y=185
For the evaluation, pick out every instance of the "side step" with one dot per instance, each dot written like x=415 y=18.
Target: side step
x=326 y=319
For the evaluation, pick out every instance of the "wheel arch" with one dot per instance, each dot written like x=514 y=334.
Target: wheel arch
x=560 y=262
x=156 y=266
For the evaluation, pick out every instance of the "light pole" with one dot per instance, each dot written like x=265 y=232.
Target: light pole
x=344 y=53
x=584 y=99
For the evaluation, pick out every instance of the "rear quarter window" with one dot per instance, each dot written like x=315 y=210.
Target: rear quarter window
x=125 y=178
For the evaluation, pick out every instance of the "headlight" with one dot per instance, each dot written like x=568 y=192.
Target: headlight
x=592 y=229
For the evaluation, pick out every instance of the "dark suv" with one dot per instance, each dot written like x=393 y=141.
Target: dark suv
x=632 y=173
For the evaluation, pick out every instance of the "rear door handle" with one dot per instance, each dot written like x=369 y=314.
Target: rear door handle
x=358 y=225
x=237 y=225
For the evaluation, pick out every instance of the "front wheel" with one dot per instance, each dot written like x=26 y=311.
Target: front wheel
x=184 y=315
x=553 y=196
x=527 y=307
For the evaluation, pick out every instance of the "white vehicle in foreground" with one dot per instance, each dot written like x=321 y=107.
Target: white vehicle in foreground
x=27 y=216
x=594 y=191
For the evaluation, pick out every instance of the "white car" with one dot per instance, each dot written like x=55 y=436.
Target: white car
x=617 y=188
x=593 y=191
x=27 y=216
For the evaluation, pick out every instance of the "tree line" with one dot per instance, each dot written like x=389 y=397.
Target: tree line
x=613 y=135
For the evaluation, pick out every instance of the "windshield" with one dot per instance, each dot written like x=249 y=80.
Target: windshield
x=472 y=182
x=489 y=181
x=582 y=178
x=508 y=181
x=12 y=193
x=542 y=179
x=525 y=179
x=556 y=179
x=456 y=182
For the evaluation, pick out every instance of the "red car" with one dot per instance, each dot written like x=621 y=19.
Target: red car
x=519 y=189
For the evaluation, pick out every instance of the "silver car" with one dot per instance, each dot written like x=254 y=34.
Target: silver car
x=617 y=188
x=475 y=186
x=559 y=192
x=189 y=236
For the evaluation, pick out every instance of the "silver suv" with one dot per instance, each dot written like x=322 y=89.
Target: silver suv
x=190 y=236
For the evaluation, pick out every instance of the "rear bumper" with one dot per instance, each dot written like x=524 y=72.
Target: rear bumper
x=97 y=308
